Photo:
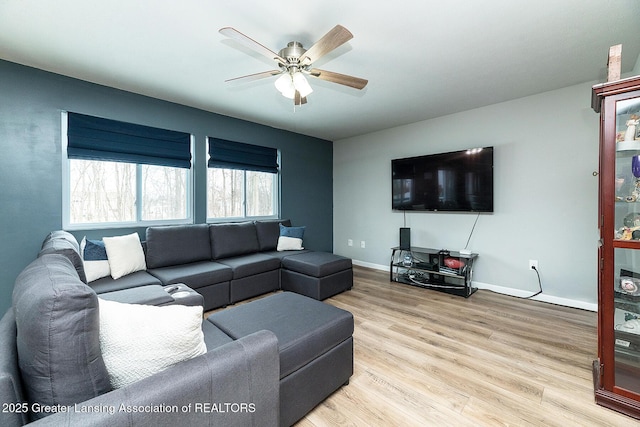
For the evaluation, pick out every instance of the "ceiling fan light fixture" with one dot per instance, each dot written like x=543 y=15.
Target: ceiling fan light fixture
x=285 y=86
x=301 y=84
x=294 y=61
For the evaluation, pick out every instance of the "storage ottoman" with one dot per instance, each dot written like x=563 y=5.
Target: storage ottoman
x=317 y=275
x=315 y=345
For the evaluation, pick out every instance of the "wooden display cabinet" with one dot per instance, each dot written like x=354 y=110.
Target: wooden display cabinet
x=616 y=372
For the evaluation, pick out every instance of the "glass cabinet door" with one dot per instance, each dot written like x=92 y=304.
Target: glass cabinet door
x=626 y=319
x=626 y=253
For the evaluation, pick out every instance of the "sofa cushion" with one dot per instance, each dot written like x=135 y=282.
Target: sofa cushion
x=57 y=320
x=250 y=265
x=305 y=328
x=317 y=264
x=63 y=242
x=283 y=254
x=125 y=254
x=138 y=341
x=148 y=295
x=139 y=278
x=268 y=232
x=228 y=240
x=179 y=244
x=195 y=275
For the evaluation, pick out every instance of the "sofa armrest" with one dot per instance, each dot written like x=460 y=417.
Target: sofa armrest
x=236 y=384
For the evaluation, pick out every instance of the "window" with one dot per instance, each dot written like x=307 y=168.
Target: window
x=118 y=174
x=106 y=192
x=242 y=181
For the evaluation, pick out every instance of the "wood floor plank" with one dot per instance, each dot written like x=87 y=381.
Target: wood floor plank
x=426 y=358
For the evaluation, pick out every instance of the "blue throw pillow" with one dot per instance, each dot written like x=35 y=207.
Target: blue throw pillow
x=94 y=250
x=297 y=232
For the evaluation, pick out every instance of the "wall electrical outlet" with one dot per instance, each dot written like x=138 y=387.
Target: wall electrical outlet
x=362 y=245
x=350 y=242
x=533 y=264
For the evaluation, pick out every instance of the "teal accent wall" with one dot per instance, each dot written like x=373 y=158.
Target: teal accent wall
x=31 y=102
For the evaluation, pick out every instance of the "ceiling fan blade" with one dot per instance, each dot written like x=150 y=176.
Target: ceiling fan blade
x=256 y=76
x=333 y=39
x=246 y=41
x=343 y=79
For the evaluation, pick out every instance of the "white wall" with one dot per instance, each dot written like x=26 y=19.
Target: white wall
x=546 y=150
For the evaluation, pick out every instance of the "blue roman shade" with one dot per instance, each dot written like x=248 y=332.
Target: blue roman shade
x=95 y=138
x=236 y=155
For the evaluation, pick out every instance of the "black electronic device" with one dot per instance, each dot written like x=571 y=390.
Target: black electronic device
x=405 y=238
x=459 y=181
x=429 y=266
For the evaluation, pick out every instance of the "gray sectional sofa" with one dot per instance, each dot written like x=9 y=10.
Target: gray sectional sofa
x=270 y=361
x=226 y=263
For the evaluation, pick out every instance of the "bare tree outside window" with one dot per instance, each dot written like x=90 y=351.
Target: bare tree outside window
x=164 y=193
x=260 y=197
x=102 y=192
x=226 y=193
x=105 y=192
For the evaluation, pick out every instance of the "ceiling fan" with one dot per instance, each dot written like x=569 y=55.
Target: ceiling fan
x=295 y=62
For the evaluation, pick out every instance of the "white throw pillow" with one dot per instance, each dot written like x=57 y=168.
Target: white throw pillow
x=138 y=341
x=289 y=244
x=125 y=254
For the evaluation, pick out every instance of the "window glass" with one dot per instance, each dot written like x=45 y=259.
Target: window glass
x=164 y=193
x=233 y=193
x=225 y=193
x=101 y=192
x=260 y=193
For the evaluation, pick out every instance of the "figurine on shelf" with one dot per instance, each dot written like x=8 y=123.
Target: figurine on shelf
x=635 y=191
x=623 y=233
x=627 y=233
x=633 y=121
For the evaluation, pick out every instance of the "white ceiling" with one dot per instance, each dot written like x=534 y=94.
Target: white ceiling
x=423 y=58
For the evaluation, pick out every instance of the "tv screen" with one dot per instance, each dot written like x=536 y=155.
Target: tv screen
x=459 y=181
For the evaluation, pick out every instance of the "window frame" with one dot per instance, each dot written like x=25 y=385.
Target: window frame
x=66 y=194
x=276 y=196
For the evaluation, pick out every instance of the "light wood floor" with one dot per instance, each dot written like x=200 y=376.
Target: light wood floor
x=425 y=358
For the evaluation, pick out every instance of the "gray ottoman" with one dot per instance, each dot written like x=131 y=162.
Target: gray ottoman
x=314 y=342
x=317 y=275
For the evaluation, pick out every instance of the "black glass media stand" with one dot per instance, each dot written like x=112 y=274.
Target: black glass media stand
x=436 y=269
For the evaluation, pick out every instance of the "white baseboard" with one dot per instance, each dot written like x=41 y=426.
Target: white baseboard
x=542 y=297
x=371 y=265
x=506 y=291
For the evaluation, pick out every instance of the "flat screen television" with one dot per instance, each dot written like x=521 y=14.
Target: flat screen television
x=459 y=181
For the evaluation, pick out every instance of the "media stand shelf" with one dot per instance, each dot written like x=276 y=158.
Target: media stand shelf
x=444 y=271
